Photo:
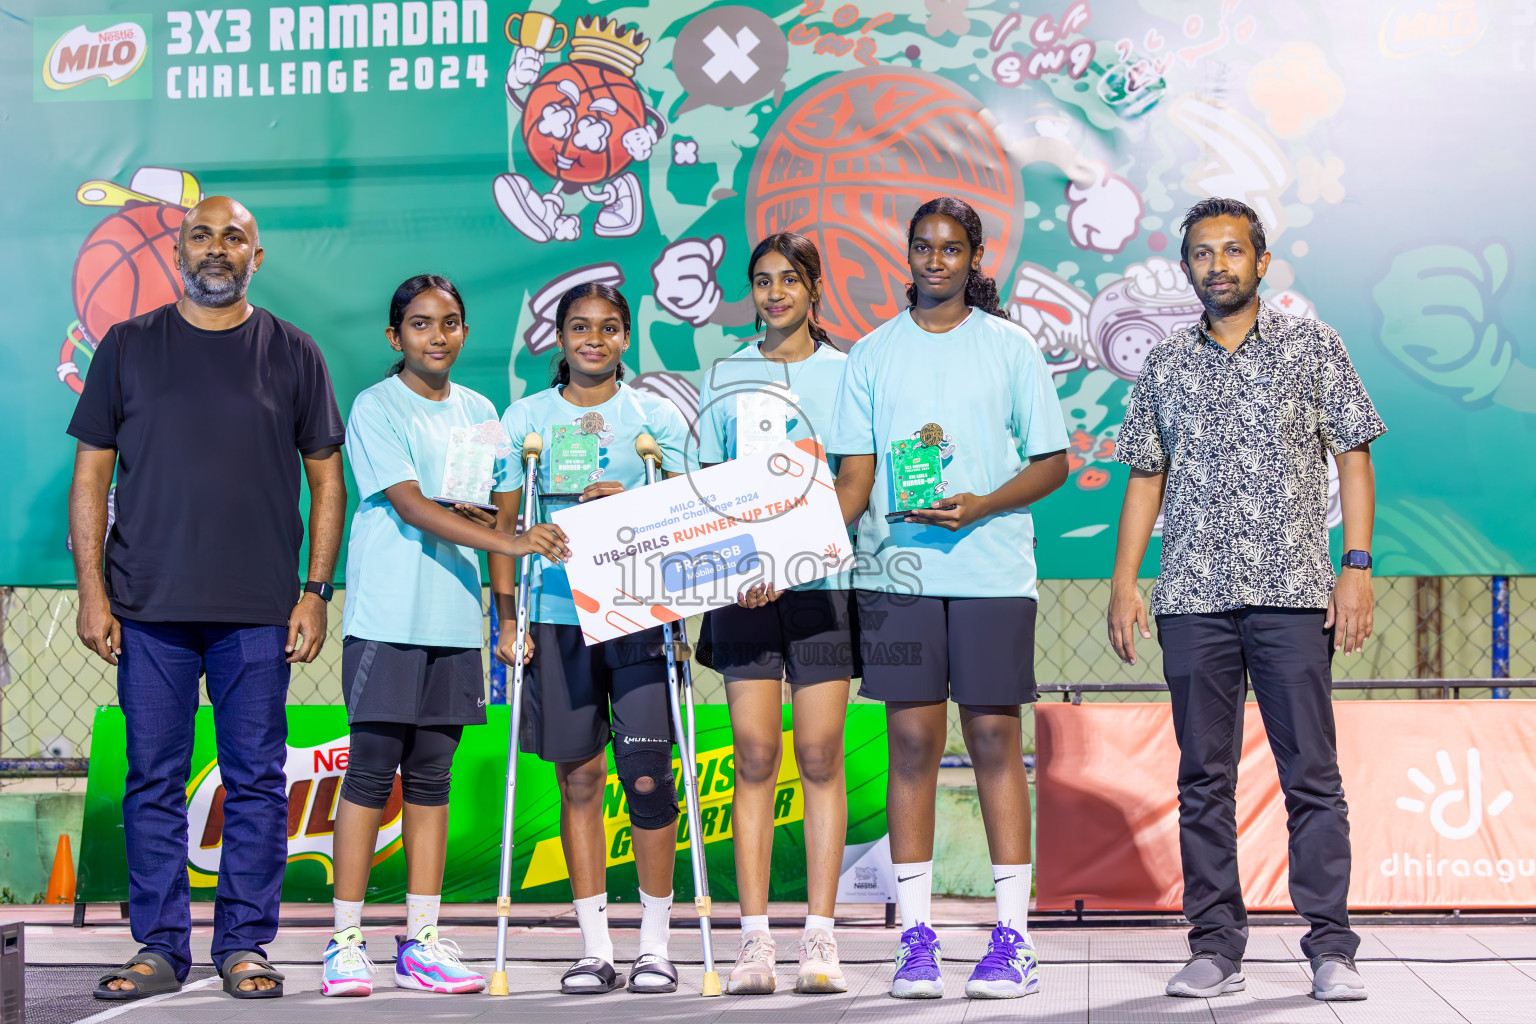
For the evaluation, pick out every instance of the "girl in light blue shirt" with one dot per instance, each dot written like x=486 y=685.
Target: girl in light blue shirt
x=949 y=428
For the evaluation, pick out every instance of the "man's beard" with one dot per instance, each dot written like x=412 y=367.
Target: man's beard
x=217 y=292
x=1220 y=304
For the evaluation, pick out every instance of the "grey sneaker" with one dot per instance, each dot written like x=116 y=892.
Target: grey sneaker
x=1207 y=975
x=1334 y=978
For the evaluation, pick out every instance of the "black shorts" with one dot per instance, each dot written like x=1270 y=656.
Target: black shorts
x=575 y=697
x=803 y=637
x=978 y=651
x=411 y=684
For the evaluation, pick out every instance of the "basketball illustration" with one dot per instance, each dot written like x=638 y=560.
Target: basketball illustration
x=580 y=112
x=583 y=122
x=127 y=266
x=917 y=134
x=932 y=435
x=592 y=423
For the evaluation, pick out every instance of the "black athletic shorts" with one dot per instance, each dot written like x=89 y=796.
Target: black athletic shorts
x=978 y=651
x=803 y=637
x=575 y=697
x=411 y=684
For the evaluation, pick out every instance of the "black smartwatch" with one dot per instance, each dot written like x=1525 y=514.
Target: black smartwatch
x=324 y=591
x=1356 y=559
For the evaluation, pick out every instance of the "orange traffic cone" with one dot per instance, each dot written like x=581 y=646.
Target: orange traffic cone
x=61 y=880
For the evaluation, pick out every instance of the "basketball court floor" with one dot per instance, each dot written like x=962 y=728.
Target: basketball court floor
x=1456 y=971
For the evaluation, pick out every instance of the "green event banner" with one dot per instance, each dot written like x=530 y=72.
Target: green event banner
x=520 y=151
x=318 y=743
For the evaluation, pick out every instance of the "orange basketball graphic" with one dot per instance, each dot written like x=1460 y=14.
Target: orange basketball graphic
x=126 y=266
x=848 y=163
x=571 y=133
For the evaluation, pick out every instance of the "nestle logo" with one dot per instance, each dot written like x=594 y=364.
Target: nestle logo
x=78 y=54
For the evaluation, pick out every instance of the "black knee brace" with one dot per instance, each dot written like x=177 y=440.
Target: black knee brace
x=640 y=760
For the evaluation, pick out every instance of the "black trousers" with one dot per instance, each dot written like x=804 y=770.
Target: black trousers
x=1286 y=654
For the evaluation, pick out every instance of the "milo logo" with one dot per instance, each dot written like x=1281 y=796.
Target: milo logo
x=314 y=789
x=80 y=55
x=92 y=59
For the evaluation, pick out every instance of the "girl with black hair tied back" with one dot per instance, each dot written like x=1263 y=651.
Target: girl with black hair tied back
x=782 y=388
x=425 y=452
x=575 y=697
x=949 y=429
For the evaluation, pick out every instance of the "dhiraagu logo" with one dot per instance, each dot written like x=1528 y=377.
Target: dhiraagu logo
x=717 y=795
x=1458 y=808
x=314 y=789
x=103 y=58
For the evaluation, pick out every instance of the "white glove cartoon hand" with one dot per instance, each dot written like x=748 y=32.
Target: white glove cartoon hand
x=639 y=141
x=525 y=67
x=684 y=276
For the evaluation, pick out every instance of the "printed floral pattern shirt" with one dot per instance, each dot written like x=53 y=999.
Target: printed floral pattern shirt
x=1242 y=437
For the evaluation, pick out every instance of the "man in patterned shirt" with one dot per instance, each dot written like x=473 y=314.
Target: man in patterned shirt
x=1227 y=430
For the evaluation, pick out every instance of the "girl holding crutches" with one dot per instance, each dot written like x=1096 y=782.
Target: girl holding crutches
x=782 y=388
x=411 y=671
x=575 y=697
x=950 y=429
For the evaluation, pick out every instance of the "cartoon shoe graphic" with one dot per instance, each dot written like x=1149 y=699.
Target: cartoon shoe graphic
x=622 y=211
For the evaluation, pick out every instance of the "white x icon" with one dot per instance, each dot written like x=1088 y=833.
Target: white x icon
x=730 y=56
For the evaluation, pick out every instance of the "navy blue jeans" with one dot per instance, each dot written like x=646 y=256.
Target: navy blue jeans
x=157 y=684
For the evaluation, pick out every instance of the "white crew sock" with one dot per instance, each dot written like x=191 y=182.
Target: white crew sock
x=1012 y=882
x=592 y=916
x=655 y=923
x=420 y=912
x=914 y=892
x=814 y=923
x=348 y=914
x=753 y=923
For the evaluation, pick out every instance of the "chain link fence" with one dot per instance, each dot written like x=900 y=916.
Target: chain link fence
x=1426 y=628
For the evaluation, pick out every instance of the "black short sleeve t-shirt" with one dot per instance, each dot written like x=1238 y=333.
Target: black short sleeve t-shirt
x=208 y=427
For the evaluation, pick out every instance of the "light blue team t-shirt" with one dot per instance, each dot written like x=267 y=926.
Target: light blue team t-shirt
x=802 y=394
x=985 y=384
x=616 y=423
x=405 y=586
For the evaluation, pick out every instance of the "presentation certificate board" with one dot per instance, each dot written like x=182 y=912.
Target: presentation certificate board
x=682 y=546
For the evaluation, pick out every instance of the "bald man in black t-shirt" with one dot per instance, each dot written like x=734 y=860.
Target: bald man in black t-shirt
x=206 y=409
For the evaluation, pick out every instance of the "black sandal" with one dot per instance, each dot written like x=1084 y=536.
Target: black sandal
x=162 y=981
x=233 y=978
x=591 y=967
x=650 y=963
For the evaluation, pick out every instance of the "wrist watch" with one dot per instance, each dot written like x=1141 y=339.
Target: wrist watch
x=1356 y=559
x=324 y=591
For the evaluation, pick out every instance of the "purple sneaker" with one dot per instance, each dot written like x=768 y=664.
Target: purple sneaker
x=917 y=965
x=1009 y=969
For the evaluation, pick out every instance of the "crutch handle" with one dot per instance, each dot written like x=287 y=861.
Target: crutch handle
x=648 y=450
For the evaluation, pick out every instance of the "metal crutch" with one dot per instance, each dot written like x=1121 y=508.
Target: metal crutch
x=533 y=447
x=678 y=653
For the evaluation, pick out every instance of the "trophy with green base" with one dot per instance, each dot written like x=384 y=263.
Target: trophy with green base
x=917 y=473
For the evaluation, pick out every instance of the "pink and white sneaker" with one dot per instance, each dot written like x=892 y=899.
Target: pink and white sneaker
x=431 y=964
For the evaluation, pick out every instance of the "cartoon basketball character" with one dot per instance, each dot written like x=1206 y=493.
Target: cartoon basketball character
x=126 y=266
x=583 y=122
x=592 y=423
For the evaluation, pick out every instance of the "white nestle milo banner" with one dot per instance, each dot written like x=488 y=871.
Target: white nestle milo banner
x=681 y=546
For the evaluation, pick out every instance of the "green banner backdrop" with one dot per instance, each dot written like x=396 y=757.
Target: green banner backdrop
x=317 y=753
x=520 y=151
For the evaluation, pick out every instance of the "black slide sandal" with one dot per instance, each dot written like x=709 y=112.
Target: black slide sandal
x=591 y=967
x=264 y=969
x=650 y=963
x=144 y=985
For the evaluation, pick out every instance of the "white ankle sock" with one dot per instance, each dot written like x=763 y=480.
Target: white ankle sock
x=420 y=912
x=348 y=914
x=592 y=916
x=753 y=923
x=655 y=923
x=814 y=923
x=1012 y=882
x=914 y=892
